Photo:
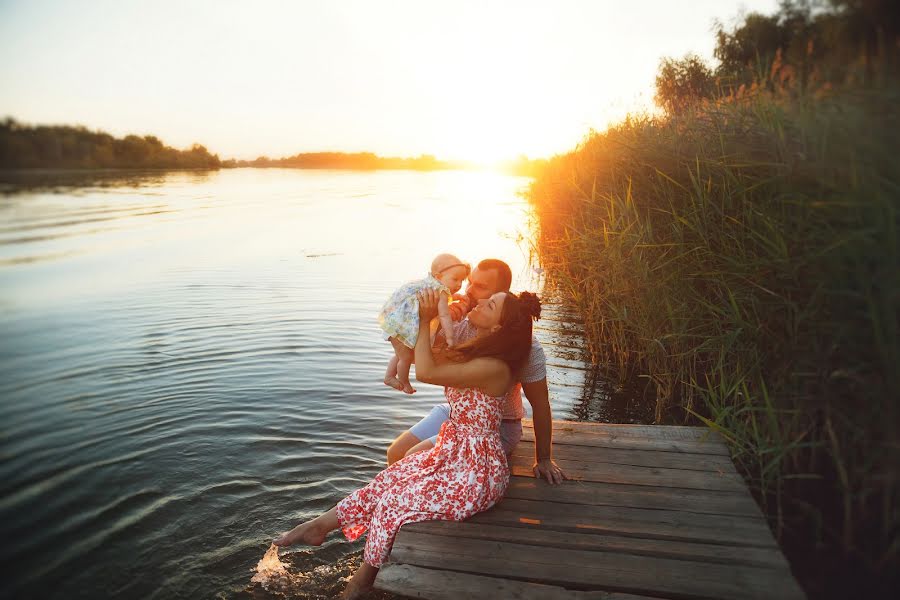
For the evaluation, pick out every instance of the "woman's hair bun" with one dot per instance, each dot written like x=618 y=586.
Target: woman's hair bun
x=531 y=304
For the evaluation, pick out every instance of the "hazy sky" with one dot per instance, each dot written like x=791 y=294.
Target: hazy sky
x=476 y=80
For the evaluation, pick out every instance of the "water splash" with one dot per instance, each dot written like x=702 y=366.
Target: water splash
x=271 y=572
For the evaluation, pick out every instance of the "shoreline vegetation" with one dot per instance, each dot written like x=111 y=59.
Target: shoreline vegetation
x=741 y=255
x=29 y=147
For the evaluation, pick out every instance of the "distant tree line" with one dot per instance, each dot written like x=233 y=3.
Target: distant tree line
x=65 y=147
x=809 y=42
x=369 y=161
x=344 y=160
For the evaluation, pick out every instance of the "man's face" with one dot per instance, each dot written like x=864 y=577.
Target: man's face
x=482 y=284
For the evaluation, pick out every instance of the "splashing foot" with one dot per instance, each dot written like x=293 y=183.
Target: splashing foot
x=307 y=533
x=271 y=572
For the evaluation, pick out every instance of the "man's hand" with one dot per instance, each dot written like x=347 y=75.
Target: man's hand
x=549 y=470
x=459 y=308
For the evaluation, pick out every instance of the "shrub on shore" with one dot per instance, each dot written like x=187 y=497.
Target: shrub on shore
x=66 y=147
x=743 y=256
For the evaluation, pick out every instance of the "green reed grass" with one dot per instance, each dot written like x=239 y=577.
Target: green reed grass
x=744 y=258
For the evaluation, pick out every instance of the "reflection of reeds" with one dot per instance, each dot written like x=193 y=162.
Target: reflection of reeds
x=744 y=257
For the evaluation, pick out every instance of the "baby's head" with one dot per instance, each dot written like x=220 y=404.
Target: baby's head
x=450 y=271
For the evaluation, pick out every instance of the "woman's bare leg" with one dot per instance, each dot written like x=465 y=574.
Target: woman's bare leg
x=405 y=359
x=361 y=582
x=390 y=375
x=311 y=533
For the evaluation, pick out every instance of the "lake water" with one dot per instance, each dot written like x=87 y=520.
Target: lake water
x=190 y=364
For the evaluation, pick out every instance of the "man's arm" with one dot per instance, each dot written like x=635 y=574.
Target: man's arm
x=539 y=397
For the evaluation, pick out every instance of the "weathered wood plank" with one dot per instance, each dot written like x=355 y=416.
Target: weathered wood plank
x=579 y=438
x=631 y=475
x=635 y=496
x=635 y=457
x=656 y=432
x=418 y=582
x=594 y=570
x=532 y=536
x=637 y=522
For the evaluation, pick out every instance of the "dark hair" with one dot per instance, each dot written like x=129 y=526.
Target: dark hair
x=504 y=273
x=512 y=342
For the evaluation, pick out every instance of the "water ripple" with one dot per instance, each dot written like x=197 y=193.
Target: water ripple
x=190 y=364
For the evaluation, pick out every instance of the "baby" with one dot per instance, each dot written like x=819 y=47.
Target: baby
x=399 y=317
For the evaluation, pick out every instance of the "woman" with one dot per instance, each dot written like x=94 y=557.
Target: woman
x=466 y=471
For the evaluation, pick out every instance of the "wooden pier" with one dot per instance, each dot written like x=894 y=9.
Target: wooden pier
x=651 y=512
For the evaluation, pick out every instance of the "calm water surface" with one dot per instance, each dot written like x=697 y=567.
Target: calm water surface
x=190 y=364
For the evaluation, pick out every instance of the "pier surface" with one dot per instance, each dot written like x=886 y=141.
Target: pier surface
x=650 y=512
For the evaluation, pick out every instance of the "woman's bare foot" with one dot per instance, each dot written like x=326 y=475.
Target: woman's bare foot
x=309 y=533
x=394 y=383
x=360 y=583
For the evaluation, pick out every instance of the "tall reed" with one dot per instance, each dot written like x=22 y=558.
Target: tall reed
x=743 y=257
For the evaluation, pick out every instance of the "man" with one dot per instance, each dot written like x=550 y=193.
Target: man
x=488 y=278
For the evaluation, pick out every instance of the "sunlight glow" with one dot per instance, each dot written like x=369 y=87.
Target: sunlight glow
x=463 y=81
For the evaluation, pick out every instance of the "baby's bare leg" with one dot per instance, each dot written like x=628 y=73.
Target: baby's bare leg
x=390 y=375
x=446 y=320
x=404 y=360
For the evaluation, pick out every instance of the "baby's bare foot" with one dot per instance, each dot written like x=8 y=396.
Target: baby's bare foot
x=393 y=382
x=408 y=389
x=308 y=533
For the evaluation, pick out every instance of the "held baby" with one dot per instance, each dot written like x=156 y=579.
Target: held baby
x=399 y=318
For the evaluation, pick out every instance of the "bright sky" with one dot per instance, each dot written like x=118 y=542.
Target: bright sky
x=476 y=80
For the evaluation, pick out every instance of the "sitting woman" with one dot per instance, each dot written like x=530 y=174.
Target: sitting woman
x=466 y=471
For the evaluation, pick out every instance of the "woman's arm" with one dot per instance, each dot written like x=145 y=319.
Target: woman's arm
x=490 y=374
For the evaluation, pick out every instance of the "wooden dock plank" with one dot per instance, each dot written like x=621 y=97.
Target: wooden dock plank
x=652 y=512
x=593 y=570
x=418 y=582
x=655 y=432
x=657 y=524
x=632 y=475
x=615 y=494
x=635 y=457
x=534 y=536
x=579 y=438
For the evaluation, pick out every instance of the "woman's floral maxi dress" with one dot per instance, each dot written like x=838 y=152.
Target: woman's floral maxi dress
x=465 y=473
